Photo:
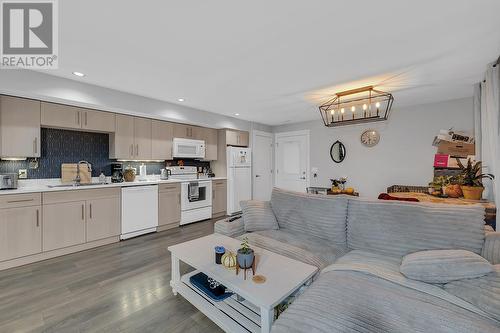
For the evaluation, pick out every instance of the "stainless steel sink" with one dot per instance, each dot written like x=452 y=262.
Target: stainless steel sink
x=75 y=185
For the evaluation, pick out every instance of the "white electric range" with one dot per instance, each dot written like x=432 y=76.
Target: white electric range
x=196 y=194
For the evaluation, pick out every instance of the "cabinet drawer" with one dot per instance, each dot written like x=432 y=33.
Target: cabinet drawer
x=20 y=200
x=169 y=187
x=78 y=195
x=219 y=182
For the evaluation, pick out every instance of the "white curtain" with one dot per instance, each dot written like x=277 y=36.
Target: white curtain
x=489 y=138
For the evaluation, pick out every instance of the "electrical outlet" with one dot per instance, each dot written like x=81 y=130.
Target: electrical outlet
x=22 y=173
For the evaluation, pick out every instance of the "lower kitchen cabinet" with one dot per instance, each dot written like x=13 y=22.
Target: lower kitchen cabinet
x=169 y=205
x=103 y=218
x=20 y=232
x=219 y=197
x=63 y=225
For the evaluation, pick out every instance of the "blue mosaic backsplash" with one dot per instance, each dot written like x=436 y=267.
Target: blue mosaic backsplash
x=63 y=146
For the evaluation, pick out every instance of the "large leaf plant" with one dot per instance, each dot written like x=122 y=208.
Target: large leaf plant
x=471 y=174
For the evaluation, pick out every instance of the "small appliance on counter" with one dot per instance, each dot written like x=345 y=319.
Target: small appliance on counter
x=8 y=181
x=165 y=174
x=142 y=172
x=116 y=172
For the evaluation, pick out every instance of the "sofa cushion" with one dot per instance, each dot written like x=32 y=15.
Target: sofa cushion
x=398 y=228
x=442 y=266
x=483 y=292
x=319 y=216
x=308 y=249
x=258 y=215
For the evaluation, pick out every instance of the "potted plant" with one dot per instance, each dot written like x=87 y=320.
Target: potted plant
x=245 y=255
x=438 y=185
x=471 y=179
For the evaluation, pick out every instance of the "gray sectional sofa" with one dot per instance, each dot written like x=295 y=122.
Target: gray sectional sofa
x=359 y=246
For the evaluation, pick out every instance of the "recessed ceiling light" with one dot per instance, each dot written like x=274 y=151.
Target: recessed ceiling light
x=236 y=114
x=180 y=99
x=80 y=74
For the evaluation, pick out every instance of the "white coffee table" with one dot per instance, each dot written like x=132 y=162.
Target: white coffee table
x=284 y=276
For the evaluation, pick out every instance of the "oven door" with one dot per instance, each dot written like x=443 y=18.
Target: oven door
x=203 y=199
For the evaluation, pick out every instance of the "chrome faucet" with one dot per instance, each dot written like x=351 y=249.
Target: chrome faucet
x=78 y=179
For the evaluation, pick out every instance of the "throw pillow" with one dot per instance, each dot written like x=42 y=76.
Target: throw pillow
x=258 y=215
x=443 y=266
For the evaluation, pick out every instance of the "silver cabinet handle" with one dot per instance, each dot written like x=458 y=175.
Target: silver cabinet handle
x=213 y=194
x=179 y=198
x=37 y=218
x=90 y=207
x=21 y=200
x=35 y=146
x=83 y=212
x=85 y=118
x=137 y=150
x=131 y=150
x=78 y=117
x=257 y=176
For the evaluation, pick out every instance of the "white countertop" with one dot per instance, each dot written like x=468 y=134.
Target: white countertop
x=44 y=185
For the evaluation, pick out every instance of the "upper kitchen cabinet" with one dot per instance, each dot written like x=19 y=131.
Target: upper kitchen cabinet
x=188 y=132
x=19 y=127
x=132 y=138
x=235 y=137
x=72 y=117
x=162 y=133
x=142 y=138
x=210 y=137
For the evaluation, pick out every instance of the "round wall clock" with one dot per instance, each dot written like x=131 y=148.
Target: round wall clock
x=370 y=138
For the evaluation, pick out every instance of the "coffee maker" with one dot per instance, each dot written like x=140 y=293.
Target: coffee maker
x=116 y=172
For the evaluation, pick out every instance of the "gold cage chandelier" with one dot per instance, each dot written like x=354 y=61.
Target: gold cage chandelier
x=361 y=105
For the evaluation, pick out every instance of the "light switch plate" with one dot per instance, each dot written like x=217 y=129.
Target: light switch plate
x=22 y=173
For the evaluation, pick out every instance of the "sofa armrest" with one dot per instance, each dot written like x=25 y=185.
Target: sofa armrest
x=491 y=247
x=231 y=229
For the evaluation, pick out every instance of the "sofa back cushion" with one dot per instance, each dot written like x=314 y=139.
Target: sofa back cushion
x=398 y=228
x=311 y=214
x=258 y=215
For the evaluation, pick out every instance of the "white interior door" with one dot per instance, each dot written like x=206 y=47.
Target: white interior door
x=292 y=160
x=262 y=149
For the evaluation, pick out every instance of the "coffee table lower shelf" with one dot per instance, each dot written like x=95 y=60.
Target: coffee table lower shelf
x=230 y=314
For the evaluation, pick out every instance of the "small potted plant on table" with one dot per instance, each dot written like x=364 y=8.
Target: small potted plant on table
x=245 y=255
x=471 y=179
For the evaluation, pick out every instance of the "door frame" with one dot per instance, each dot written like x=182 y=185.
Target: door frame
x=269 y=135
x=308 y=153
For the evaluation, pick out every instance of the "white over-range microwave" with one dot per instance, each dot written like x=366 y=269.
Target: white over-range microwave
x=187 y=148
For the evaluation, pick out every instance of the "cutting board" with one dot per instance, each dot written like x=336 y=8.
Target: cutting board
x=68 y=173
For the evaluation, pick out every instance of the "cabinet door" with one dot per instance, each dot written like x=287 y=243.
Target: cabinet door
x=20 y=127
x=243 y=139
x=231 y=138
x=98 y=121
x=169 y=205
x=63 y=225
x=122 y=142
x=182 y=131
x=20 y=232
x=103 y=218
x=142 y=138
x=210 y=144
x=61 y=116
x=219 y=197
x=197 y=133
x=162 y=133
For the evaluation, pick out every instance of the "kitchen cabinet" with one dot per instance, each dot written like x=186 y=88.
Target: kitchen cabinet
x=98 y=121
x=132 y=138
x=235 y=137
x=210 y=137
x=142 y=138
x=219 y=198
x=73 y=117
x=19 y=127
x=63 y=225
x=162 y=133
x=169 y=206
x=188 y=132
x=77 y=217
x=20 y=226
x=103 y=218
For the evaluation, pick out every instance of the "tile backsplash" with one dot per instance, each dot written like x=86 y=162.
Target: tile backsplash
x=63 y=146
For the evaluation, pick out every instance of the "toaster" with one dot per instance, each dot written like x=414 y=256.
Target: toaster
x=8 y=181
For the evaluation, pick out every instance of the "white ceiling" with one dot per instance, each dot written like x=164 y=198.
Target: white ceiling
x=270 y=61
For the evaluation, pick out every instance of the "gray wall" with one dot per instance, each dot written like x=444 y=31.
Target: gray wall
x=38 y=85
x=404 y=154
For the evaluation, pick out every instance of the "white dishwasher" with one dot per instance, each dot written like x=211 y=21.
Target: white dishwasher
x=139 y=210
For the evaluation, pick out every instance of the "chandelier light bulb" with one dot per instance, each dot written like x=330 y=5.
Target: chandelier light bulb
x=353 y=108
x=377 y=104
x=342 y=110
x=332 y=112
x=365 y=107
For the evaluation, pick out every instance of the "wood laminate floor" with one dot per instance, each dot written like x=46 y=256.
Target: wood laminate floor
x=122 y=287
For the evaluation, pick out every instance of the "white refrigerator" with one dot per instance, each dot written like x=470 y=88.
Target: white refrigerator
x=239 y=177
